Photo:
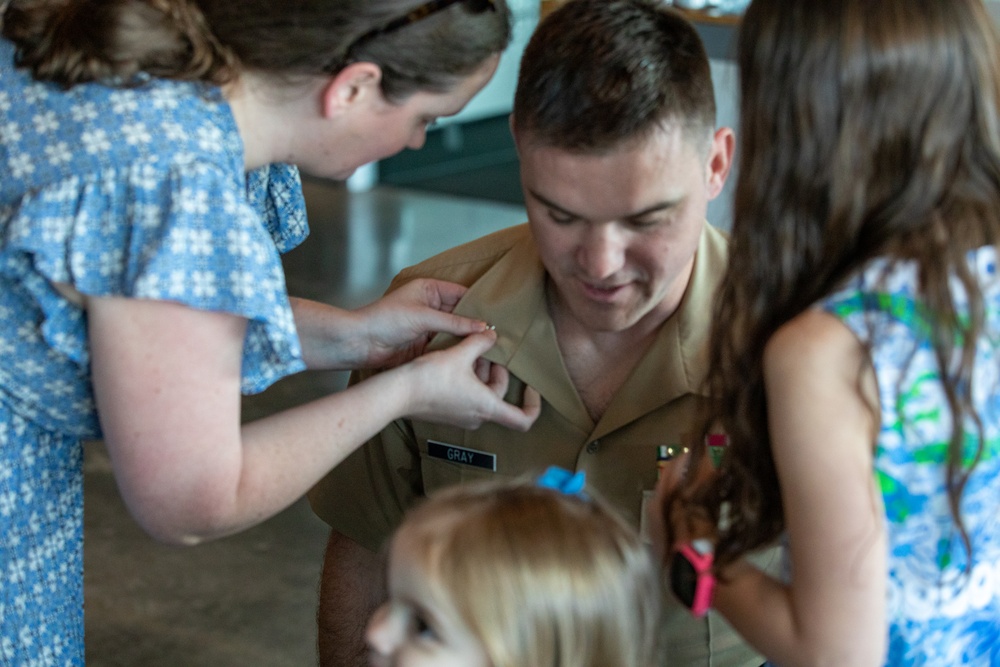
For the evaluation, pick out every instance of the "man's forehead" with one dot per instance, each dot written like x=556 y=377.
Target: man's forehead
x=627 y=184
x=684 y=130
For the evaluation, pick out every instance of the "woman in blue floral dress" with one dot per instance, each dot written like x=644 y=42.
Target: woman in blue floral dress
x=856 y=349
x=146 y=197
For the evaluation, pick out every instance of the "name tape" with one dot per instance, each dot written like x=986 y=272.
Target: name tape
x=463 y=455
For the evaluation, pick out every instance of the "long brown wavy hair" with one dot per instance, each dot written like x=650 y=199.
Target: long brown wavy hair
x=869 y=129
x=75 y=41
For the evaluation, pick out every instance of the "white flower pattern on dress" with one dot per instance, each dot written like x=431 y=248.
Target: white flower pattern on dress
x=136 y=192
x=939 y=614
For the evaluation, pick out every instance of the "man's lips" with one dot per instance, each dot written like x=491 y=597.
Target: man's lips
x=602 y=292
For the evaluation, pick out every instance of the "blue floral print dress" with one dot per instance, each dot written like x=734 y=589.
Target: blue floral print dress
x=135 y=191
x=943 y=607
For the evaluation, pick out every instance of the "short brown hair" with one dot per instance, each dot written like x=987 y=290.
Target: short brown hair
x=599 y=73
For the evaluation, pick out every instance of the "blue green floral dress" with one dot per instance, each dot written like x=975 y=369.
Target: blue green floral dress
x=943 y=606
x=139 y=192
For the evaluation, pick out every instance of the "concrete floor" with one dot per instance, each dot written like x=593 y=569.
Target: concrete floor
x=250 y=599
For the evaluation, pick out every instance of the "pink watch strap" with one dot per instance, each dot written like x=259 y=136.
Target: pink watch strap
x=699 y=554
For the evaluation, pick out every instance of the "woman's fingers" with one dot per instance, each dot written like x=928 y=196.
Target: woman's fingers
x=499 y=380
x=468 y=400
x=482 y=368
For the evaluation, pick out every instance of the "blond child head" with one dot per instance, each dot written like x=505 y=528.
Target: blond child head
x=514 y=575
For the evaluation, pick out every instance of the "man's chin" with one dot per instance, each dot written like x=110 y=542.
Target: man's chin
x=606 y=322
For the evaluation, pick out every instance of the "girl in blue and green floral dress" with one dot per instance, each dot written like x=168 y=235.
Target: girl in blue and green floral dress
x=145 y=200
x=856 y=348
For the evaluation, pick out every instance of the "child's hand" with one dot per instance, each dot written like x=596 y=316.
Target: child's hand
x=673 y=495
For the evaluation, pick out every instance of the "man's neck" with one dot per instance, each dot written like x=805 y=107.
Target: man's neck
x=599 y=362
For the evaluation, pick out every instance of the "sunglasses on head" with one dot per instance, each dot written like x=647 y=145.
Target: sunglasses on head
x=413 y=16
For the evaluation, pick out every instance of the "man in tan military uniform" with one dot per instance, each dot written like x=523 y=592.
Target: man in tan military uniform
x=601 y=303
x=366 y=496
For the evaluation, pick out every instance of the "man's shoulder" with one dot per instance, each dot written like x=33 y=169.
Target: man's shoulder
x=710 y=264
x=716 y=243
x=466 y=263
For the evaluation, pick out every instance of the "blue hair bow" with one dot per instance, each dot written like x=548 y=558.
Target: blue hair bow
x=564 y=481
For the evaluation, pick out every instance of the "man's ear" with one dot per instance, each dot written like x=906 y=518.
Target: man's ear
x=720 y=160
x=352 y=86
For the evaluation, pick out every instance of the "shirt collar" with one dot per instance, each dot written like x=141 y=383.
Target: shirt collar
x=511 y=296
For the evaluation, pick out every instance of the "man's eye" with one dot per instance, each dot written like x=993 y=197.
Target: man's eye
x=646 y=223
x=560 y=218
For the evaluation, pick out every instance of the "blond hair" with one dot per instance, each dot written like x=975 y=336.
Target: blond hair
x=543 y=579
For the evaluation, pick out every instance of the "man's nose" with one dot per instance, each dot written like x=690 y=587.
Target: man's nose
x=602 y=252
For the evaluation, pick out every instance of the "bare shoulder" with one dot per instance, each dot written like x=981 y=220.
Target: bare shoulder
x=813 y=341
x=817 y=371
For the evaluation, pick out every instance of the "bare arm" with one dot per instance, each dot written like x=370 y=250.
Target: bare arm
x=166 y=379
x=822 y=433
x=351 y=588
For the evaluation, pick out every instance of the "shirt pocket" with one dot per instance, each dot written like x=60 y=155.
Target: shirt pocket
x=439 y=472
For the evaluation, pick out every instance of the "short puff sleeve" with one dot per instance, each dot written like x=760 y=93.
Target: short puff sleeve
x=190 y=233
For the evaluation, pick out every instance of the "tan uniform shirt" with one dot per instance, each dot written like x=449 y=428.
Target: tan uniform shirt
x=365 y=497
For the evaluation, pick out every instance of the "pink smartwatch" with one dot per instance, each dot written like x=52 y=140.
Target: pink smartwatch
x=691 y=577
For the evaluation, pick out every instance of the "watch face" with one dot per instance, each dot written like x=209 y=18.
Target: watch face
x=683 y=579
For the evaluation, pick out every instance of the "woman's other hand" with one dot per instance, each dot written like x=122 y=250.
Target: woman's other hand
x=389 y=332
x=398 y=326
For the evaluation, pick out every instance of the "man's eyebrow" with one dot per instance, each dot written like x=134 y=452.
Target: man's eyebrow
x=553 y=205
x=655 y=208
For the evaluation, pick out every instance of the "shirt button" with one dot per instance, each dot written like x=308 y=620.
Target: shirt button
x=593 y=447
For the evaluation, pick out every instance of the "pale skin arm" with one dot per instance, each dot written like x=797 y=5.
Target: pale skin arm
x=833 y=611
x=386 y=333
x=351 y=589
x=166 y=380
